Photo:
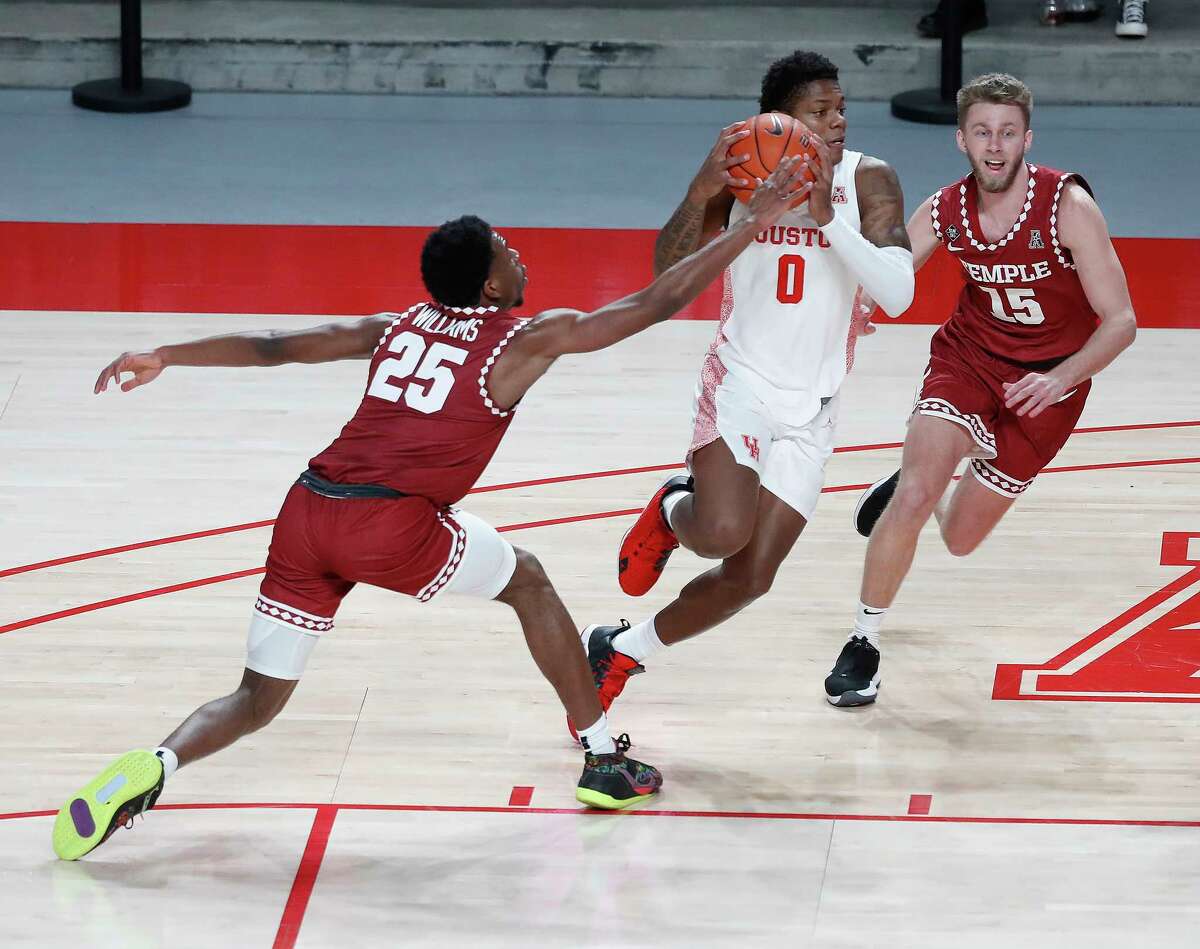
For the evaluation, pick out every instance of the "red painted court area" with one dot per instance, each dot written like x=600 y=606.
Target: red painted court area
x=221 y=268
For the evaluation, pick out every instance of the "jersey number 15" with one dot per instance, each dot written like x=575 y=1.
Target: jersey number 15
x=438 y=378
x=1022 y=307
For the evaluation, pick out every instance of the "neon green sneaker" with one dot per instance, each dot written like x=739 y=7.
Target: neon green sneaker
x=126 y=788
x=613 y=782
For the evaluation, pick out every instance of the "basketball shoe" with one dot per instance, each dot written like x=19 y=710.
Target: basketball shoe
x=854 y=679
x=125 y=789
x=648 y=545
x=613 y=782
x=870 y=506
x=610 y=669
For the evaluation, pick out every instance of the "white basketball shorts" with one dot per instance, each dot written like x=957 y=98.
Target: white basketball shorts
x=788 y=459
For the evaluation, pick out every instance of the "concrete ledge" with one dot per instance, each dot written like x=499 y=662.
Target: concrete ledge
x=706 y=51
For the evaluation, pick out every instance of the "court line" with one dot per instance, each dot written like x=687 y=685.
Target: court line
x=306 y=877
x=559 y=479
x=570 y=519
x=650 y=812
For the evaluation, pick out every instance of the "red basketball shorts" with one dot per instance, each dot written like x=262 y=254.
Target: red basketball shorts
x=965 y=385
x=323 y=546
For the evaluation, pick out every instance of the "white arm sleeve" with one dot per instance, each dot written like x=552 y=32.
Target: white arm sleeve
x=886 y=273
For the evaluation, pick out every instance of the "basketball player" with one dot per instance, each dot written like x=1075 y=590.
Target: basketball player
x=1044 y=308
x=766 y=403
x=376 y=506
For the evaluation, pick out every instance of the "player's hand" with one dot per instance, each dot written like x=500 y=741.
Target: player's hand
x=860 y=319
x=144 y=366
x=1034 y=392
x=713 y=176
x=820 y=199
x=777 y=195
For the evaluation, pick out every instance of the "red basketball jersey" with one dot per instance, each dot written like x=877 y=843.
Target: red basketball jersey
x=426 y=425
x=1023 y=301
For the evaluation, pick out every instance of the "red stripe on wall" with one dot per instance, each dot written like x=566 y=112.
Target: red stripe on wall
x=252 y=268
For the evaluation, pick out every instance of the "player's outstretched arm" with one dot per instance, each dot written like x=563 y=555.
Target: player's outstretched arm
x=1083 y=230
x=705 y=209
x=878 y=253
x=923 y=241
x=558 y=332
x=326 y=343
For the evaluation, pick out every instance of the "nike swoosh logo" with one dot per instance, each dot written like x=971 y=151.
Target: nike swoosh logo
x=1067 y=396
x=954 y=250
x=873 y=612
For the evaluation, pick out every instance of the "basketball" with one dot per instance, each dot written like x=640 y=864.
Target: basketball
x=776 y=136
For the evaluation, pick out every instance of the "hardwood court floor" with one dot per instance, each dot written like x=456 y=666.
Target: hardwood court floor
x=1045 y=821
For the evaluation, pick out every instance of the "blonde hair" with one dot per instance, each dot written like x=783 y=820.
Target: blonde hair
x=996 y=87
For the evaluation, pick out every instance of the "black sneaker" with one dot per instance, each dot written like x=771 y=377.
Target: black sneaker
x=612 y=782
x=974 y=17
x=854 y=679
x=870 y=506
x=610 y=669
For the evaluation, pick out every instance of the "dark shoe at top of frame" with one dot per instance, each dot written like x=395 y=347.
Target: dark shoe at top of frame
x=872 y=502
x=648 y=545
x=613 y=782
x=1131 y=24
x=125 y=789
x=610 y=669
x=974 y=17
x=854 y=679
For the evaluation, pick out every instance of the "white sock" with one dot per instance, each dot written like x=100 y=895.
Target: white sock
x=595 y=738
x=670 y=501
x=639 y=641
x=170 y=760
x=867 y=622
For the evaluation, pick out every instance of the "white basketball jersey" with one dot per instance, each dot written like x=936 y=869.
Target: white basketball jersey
x=785 y=316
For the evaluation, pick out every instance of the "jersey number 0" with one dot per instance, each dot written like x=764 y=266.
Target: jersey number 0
x=789 y=286
x=437 y=377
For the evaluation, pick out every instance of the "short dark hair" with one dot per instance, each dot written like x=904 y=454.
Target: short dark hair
x=456 y=261
x=787 y=78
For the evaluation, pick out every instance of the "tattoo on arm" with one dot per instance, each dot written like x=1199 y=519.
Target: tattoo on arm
x=881 y=205
x=679 y=236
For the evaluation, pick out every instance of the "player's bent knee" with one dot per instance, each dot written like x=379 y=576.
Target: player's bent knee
x=913 y=501
x=265 y=697
x=724 y=537
x=529 y=578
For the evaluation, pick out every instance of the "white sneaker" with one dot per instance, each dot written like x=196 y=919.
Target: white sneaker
x=1132 y=22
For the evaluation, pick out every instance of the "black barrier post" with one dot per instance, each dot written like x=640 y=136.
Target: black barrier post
x=131 y=93
x=936 y=106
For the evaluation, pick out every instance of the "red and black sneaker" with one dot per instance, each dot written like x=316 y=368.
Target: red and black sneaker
x=610 y=669
x=648 y=545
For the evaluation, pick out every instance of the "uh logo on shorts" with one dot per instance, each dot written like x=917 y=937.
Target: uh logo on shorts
x=751 y=445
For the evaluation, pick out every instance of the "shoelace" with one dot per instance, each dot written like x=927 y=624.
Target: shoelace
x=623 y=743
x=127 y=824
x=1134 y=11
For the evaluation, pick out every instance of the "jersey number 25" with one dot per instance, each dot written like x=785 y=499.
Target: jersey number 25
x=438 y=378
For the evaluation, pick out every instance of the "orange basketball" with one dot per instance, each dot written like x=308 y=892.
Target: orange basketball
x=776 y=136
